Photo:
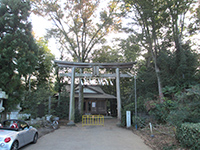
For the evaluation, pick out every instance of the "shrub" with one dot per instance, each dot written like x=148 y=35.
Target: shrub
x=161 y=110
x=140 y=121
x=77 y=116
x=62 y=110
x=189 y=135
x=177 y=117
x=189 y=101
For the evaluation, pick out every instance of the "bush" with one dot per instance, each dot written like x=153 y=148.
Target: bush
x=36 y=102
x=189 y=101
x=77 y=116
x=177 y=117
x=140 y=121
x=161 y=110
x=189 y=135
x=62 y=110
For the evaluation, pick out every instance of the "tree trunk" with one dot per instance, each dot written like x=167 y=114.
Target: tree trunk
x=161 y=97
x=157 y=70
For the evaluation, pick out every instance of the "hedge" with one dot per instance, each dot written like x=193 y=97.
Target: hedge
x=189 y=135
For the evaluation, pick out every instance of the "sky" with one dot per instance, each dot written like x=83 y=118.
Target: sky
x=40 y=25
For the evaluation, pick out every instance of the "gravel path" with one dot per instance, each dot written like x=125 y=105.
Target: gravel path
x=107 y=137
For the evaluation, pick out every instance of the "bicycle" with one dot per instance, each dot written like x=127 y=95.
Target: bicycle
x=51 y=123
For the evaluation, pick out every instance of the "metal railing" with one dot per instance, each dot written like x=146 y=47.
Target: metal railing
x=88 y=120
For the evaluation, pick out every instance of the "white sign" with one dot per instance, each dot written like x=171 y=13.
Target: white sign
x=128 y=119
x=93 y=104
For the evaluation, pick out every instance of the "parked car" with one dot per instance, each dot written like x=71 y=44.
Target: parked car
x=16 y=133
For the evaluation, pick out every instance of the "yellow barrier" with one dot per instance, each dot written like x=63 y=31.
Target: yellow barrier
x=88 y=120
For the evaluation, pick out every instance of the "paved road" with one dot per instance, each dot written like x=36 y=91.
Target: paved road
x=109 y=137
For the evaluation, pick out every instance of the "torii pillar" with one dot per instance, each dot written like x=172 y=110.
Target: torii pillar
x=118 y=94
x=72 y=101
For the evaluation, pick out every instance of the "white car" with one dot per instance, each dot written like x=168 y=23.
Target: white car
x=16 y=133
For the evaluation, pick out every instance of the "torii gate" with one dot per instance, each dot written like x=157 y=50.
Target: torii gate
x=95 y=67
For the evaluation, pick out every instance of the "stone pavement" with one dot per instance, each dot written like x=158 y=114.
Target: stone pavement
x=107 y=137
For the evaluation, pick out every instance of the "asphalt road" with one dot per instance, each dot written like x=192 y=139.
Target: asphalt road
x=107 y=137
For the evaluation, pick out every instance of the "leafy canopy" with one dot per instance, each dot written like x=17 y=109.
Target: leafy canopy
x=17 y=48
x=79 y=25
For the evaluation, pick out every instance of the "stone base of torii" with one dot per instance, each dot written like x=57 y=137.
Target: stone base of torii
x=95 y=67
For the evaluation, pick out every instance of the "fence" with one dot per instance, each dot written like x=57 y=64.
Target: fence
x=88 y=120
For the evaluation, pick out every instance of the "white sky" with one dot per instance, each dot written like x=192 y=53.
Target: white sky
x=40 y=25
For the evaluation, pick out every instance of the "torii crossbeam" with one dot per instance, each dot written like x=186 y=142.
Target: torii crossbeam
x=95 y=67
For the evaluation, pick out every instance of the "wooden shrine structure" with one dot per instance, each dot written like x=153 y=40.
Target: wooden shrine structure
x=95 y=68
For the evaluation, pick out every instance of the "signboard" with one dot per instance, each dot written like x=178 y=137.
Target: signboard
x=128 y=119
x=93 y=104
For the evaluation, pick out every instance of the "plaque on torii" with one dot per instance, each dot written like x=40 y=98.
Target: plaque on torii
x=95 y=73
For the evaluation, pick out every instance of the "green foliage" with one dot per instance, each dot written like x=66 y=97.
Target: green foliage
x=44 y=67
x=18 y=50
x=162 y=110
x=184 y=107
x=76 y=26
x=106 y=54
x=130 y=48
x=189 y=135
x=171 y=147
x=140 y=121
x=189 y=101
x=177 y=117
x=34 y=99
x=62 y=107
x=171 y=59
x=185 y=69
x=37 y=126
x=146 y=83
x=77 y=116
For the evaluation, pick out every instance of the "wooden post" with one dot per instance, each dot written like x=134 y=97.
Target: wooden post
x=71 y=104
x=118 y=94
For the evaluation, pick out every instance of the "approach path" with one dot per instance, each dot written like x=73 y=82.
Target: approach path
x=109 y=137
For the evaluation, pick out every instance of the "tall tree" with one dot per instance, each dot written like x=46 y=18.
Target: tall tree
x=130 y=48
x=79 y=25
x=149 y=17
x=17 y=49
x=157 y=19
x=106 y=54
x=177 y=13
x=40 y=82
x=44 y=69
